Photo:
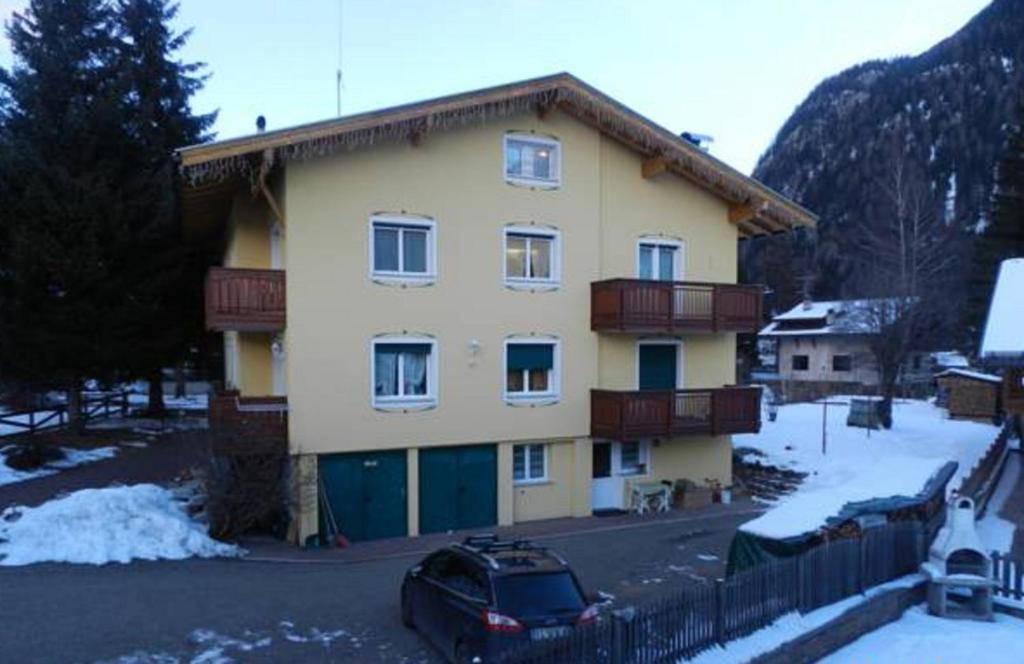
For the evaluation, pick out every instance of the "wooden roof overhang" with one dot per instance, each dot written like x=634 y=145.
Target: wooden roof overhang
x=211 y=173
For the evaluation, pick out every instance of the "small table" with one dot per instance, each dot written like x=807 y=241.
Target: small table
x=650 y=496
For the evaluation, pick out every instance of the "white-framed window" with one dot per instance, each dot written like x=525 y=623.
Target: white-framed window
x=530 y=463
x=403 y=248
x=659 y=259
x=532 y=368
x=532 y=256
x=403 y=372
x=634 y=458
x=532 y=160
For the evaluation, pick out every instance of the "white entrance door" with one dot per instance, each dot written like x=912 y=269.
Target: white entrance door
x=606 y=487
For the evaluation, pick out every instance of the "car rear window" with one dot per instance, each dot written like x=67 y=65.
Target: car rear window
x=529 y=595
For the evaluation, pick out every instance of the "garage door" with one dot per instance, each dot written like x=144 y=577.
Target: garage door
x=366 y=491
x=458 y=488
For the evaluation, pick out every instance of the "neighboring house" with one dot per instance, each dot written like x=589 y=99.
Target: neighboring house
x=1002 y=345
x=969 y=394
x=824 y=348
x=483 y=309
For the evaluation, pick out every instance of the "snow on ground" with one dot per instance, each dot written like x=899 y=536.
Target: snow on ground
x=97 y=526
x=859 y=464
x=72 y=457
x=193 y=402
x=919 y=637
x=996 y=533
x=791 y=626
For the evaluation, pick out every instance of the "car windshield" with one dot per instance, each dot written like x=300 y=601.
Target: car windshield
x=533 y=595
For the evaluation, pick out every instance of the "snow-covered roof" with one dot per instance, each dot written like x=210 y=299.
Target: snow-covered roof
x=950 y=358
x=834 y=317
x=1004 y=330
x=976 y=375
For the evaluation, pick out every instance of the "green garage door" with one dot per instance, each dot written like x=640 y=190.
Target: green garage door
x=458 y=488
x=366 y=491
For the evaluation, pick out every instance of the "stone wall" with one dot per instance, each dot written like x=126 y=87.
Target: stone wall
x=846 y=628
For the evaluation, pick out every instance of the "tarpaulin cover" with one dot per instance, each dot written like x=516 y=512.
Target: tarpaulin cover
x=748 y=549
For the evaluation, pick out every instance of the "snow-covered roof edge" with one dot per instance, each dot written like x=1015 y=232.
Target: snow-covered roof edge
x=1003 y=340
x=976 y=375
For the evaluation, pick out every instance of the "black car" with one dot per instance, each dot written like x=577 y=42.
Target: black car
x=476 y=599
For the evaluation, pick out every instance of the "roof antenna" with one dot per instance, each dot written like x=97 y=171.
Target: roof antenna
x=341 y=13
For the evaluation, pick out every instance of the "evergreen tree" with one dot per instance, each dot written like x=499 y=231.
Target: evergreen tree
x=62 y=208
x=95 y=280
x=1004 y=236
x=166 y=273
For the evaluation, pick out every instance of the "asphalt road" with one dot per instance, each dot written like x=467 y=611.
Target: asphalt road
x=206 y=611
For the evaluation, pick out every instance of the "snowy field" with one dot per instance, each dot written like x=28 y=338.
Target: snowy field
x=72 y=457
x=858 y=464
x=919 y=637
x=116 y=524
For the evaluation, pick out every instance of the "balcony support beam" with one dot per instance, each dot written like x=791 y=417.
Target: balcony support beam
x=653 y=166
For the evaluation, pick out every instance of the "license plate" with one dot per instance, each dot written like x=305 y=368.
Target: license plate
x=542 y=633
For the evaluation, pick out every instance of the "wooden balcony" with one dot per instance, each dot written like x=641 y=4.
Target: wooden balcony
x=659 y=414
x=248 y=425
x=245 y=300
x=640 y=306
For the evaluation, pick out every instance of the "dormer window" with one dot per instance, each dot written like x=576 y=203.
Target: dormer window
x=532 y=160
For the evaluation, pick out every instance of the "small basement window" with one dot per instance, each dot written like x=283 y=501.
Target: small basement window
x=801 y=363
x=532 y=160
x=842 y=363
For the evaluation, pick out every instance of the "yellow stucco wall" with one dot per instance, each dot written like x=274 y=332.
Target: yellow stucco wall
x=254 y=364
x=694 y=458
x=248 y=244
x=455 y=177
x=555 y=497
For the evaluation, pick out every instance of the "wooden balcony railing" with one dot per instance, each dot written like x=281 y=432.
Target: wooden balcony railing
x=245 y=300
x=248 y=425
x=642 y=306
x=661 y=413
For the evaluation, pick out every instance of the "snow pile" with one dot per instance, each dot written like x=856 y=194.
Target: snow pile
x=72 y=457
x=859 y=464
x=919 y=637
x=791 y=626
x=98 y=526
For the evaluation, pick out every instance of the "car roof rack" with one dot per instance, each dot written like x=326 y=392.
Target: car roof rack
x=488 y=543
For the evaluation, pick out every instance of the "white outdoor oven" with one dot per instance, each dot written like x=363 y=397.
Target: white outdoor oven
x=957 y=564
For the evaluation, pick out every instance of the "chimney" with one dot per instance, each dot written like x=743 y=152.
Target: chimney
x=261 y=124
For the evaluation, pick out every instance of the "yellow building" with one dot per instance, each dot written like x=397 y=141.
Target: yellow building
x=505 y=305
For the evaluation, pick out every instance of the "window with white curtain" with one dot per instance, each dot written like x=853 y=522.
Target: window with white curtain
x=529 y=463
x=532 y=256
x=404 y=372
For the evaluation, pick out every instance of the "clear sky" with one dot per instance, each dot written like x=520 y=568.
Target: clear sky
x=734 y=69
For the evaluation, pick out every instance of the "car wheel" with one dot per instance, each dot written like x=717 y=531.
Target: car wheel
x=465 y=655
x=407 y=610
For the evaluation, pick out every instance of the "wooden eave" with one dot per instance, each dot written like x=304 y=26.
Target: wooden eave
x=759 y=209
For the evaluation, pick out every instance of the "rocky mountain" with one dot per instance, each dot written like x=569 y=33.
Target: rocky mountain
x=945 y=112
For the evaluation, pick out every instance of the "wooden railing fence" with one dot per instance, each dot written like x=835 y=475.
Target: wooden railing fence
x=94 y=407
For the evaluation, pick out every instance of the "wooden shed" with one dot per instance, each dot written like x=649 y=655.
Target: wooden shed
x=969 y=394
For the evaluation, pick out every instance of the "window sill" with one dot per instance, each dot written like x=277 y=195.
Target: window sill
x=403 y=280
x=529 y=183
x=529 y=483
x=533 y=400
x=528 y=285
x=405 y=406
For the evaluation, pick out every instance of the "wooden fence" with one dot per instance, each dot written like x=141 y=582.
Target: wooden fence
x=1009 y=575
x=701 y=617
x=94 y=407
x=979 y=483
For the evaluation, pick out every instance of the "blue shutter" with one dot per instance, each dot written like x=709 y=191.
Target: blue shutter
x=531 y=356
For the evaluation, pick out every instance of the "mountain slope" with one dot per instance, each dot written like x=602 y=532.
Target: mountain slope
x=946 y=110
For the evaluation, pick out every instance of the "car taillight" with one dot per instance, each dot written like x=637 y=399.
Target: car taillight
x=498 y=622
x=588 y=616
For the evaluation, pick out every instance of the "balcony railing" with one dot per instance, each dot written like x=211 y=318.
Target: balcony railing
x=642 y=306
x=245 y=300
x=662 y=413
